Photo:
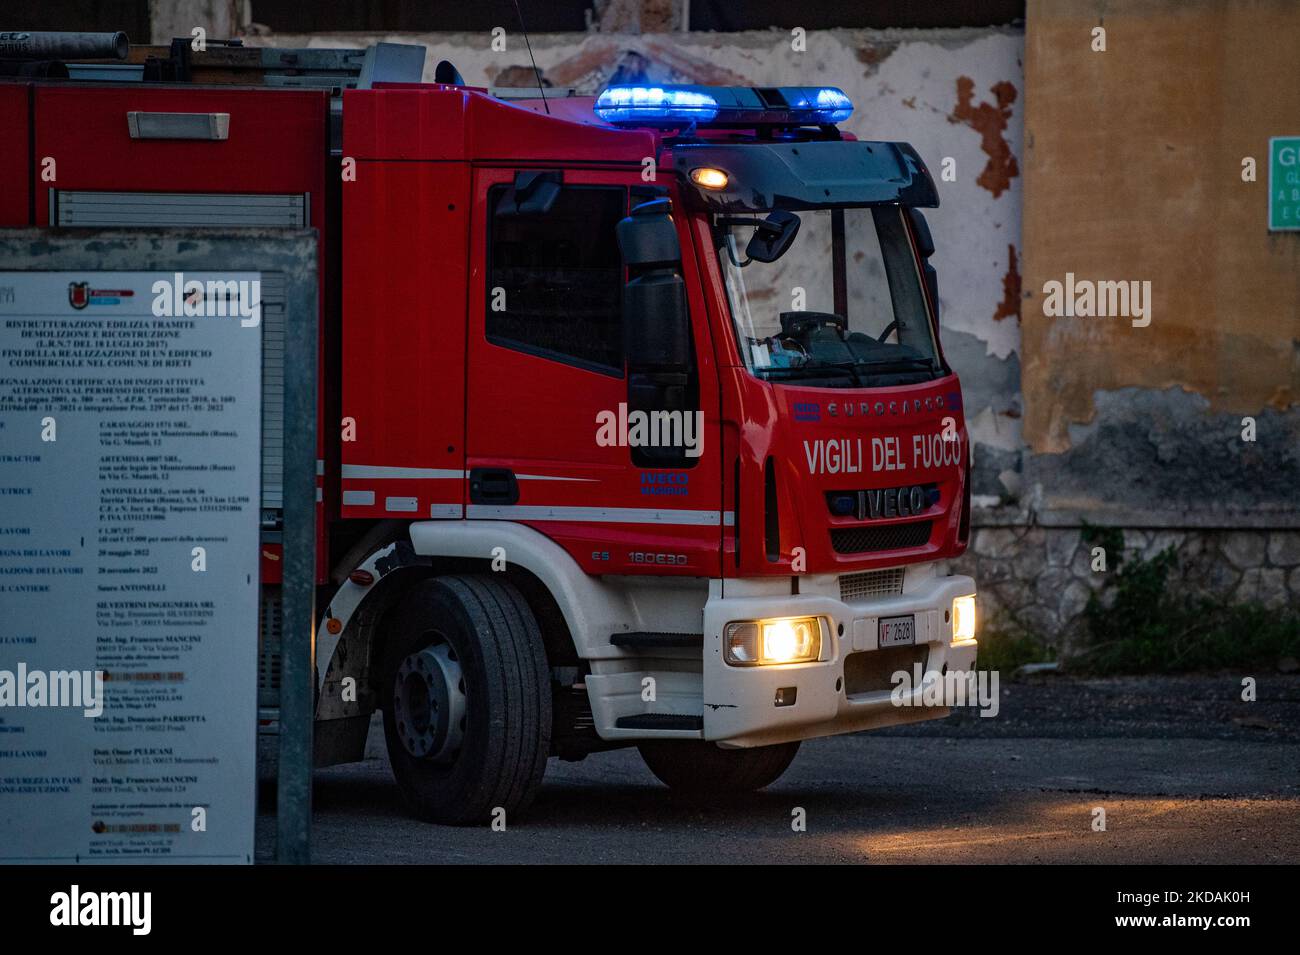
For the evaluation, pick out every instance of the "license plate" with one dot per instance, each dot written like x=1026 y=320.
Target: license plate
x=898 y=631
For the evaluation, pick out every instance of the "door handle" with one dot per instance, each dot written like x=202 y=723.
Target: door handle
x=493 y=486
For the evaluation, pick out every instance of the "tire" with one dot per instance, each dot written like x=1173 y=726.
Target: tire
x=703 y=768
x=451 y=770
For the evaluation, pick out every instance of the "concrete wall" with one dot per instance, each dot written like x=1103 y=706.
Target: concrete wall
x=951 y=93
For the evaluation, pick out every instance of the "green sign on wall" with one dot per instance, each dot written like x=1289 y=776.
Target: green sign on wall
x=1283 y=183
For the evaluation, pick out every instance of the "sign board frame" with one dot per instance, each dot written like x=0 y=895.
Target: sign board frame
x=293 y=253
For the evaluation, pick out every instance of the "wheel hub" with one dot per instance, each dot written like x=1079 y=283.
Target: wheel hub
x=429 y=703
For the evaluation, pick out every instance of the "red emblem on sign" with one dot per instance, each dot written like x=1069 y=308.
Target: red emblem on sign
x=78 y=294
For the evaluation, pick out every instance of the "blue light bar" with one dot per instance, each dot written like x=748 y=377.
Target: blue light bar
x=649 y=105
x=723 y=106
x=829 y=103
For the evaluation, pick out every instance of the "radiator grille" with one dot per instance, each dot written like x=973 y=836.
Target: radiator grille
x=873 y=583
x=865 y=540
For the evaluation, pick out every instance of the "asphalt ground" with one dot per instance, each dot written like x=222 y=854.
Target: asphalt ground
x=1185 y=771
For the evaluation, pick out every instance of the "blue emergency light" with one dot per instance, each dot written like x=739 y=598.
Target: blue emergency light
x=648 y=104
x=829 y=104
x=723 y=105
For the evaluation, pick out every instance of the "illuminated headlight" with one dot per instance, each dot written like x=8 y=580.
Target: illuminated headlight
x=760 y=642
x=963 y=619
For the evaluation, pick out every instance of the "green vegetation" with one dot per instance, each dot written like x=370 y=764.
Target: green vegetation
x=1007 y=648
x=1135 y=625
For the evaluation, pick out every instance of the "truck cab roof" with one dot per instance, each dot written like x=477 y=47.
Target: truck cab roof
x=771 y=162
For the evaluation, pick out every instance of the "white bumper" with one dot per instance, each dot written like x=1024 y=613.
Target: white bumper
x=850 y=687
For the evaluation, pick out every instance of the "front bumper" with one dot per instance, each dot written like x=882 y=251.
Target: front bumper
x=850 y=687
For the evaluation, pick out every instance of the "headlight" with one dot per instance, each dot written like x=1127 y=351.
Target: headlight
x=963 y=619
x=787 y=640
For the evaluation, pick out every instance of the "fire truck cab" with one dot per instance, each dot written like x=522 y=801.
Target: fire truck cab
x=636 y=423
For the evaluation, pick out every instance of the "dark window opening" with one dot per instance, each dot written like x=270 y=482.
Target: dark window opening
x=555 y=281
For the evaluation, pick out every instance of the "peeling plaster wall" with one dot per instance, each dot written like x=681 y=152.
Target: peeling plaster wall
x=1133 y=172
x=1165 y=458
x=173 y=18
x=951 y=93
x=1132 y=165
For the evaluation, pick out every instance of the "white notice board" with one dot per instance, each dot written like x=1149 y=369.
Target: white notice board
x=129 y=521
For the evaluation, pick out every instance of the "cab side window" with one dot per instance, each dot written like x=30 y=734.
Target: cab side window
x=555 y=279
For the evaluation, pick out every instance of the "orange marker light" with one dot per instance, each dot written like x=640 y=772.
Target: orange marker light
x=707 y=177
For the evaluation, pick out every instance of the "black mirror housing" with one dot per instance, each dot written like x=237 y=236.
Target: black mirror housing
x=921 y=228
x=932 y=283
x=656 y=325
x=657 y=330
x=647 y=238
x=773 y=236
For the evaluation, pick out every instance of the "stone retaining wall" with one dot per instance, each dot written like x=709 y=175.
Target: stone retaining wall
x=1037 y=580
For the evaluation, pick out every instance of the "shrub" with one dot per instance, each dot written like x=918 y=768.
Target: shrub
x=1136 y=624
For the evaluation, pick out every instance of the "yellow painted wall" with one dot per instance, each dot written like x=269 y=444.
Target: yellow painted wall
x=1133 y=163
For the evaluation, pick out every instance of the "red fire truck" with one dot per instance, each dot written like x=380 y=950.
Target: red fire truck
x=636 y=425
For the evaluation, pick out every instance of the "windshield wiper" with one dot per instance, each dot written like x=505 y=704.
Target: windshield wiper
x=896 y=364
x=850 y=366
x=811 y=370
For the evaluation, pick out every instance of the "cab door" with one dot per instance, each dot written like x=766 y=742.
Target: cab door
x=551 y=441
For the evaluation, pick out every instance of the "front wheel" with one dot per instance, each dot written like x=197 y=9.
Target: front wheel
x=466 y=697
x=698 y=767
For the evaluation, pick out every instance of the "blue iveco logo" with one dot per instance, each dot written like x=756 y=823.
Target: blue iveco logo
x=807 y=411
x=658 y=484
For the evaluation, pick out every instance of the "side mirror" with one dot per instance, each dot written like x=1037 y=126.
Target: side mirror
x=924 y=241
x=656 y=326
x=648 y=238
x=925 y=245
x=932 y=283
x=657 y=332
x=773 y=236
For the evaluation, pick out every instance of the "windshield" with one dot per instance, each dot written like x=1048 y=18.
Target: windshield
x=830 y=297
